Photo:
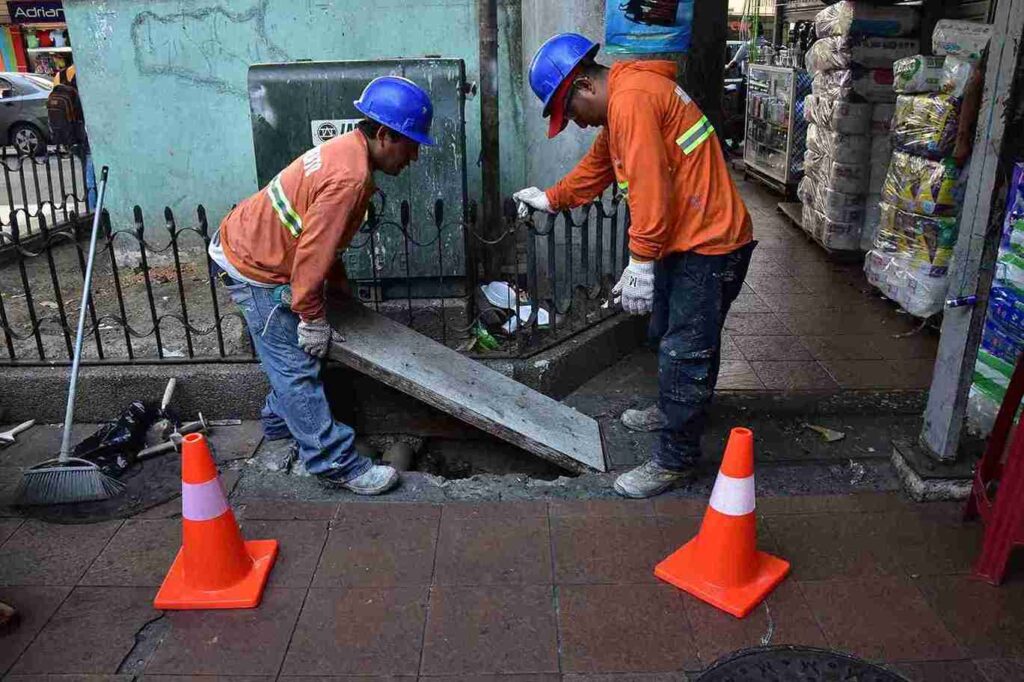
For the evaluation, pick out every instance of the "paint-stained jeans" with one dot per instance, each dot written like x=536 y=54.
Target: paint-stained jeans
x=296 y=405
x=692 y=295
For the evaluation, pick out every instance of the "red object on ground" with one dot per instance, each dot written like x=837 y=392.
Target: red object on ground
x=722 y=565
x=1002 y=513
x=216 y=568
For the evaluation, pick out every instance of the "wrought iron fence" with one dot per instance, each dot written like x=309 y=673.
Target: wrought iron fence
x=50 y=185
x=154 y=301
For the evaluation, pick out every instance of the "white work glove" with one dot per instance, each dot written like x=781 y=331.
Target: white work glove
x=315 y=337
x=636 y=286
x=532 y=197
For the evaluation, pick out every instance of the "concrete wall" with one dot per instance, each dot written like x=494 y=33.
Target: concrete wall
x=164 y=83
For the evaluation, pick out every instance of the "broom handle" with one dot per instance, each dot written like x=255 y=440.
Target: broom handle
x=69 y=412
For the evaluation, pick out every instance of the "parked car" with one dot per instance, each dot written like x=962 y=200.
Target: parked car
x=23 y=121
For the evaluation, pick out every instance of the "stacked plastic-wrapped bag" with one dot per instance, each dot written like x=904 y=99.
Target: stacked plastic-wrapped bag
x=1003 y=338
x=921 y=191
x=848 y=112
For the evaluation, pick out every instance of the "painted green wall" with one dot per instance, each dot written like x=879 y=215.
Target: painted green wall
x=164 y=83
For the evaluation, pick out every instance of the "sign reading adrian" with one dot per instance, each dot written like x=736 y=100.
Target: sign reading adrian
x=36 y=12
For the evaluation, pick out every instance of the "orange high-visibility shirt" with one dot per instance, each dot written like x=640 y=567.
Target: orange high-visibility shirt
x=663 y=153
x=291 y=231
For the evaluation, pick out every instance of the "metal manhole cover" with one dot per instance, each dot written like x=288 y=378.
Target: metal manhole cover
x=794 y=664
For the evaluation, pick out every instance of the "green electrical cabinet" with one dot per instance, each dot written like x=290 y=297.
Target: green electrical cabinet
x=298 y=105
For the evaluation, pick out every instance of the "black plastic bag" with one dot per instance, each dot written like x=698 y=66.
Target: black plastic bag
x=113 y=447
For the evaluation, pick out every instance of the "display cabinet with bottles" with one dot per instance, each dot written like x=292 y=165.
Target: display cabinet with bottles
x=775 y=131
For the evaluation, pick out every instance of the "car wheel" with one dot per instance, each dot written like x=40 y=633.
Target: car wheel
x=27 y=139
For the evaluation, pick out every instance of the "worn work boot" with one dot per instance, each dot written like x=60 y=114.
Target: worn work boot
x=651 y=419
x=649 y=479
x=376 y=480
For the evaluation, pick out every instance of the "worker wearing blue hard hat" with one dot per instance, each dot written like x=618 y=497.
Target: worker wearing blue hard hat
x=690 y=235
x=276 y=254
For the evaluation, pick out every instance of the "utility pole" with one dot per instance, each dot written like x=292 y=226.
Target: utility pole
x=490 y=226
x=703 y=76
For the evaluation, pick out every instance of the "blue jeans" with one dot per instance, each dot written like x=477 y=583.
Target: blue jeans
x=692 y=296
x=296 y=405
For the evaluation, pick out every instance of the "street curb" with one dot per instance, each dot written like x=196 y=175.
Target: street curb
x=237 y=390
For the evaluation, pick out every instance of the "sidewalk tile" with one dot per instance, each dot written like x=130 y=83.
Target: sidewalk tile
x=680 y=506
x=70 y=678
x=7 y=528
x=799 y=302
x=486 y=551
x=41 y=553
x=828 y=321
x=1001 y=669
x=875 y=374
x=754 y=324
x=780 y=505
x=139 y=555
x=300 y=545
x=605 y=550
x=891 y=622
x=774 y=284
x=494 y=629
x=593 y=508
x=285 y=510
x=35 y=606
x=737 y=375
x=357 y=513
x=624 y=628
x=772 y=348
x=492 y=510
x=626 y=677
x=229 y=642
x=793 y=376
x=359 y=631
x=852 y=347
x=380 y=545
x=677 y=531
x=717 y=633
x=541 y=677
x=919 y=346
x=925 y=545
x=830 y=546
x=914 y=374
x=208 y=678
x=940 y=671
x=988 y=621
x=729 y=350
x=749 y=303
x=92 y=631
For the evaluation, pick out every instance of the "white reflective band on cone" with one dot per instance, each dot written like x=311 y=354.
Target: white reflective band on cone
x=733 y=496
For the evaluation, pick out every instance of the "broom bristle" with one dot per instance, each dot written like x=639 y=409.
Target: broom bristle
x=64 y=485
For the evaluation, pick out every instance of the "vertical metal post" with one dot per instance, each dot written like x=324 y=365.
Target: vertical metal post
x=974 y=255
x=703 y=77
x=487 y=11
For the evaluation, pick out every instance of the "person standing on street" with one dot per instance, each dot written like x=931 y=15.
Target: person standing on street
x=277 y=256
x=690 y=238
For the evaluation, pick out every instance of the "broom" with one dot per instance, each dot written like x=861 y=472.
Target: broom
x=66 y=478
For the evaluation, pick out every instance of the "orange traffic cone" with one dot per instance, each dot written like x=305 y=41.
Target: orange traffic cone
x=722 y=565
x=216 y=568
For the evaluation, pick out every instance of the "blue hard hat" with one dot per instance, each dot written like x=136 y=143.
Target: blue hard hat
x=555 y=60
x=399 y=104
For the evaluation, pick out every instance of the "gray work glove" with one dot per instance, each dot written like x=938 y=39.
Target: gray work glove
x=315 y=337
x=531 y=197
x=636 y=287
